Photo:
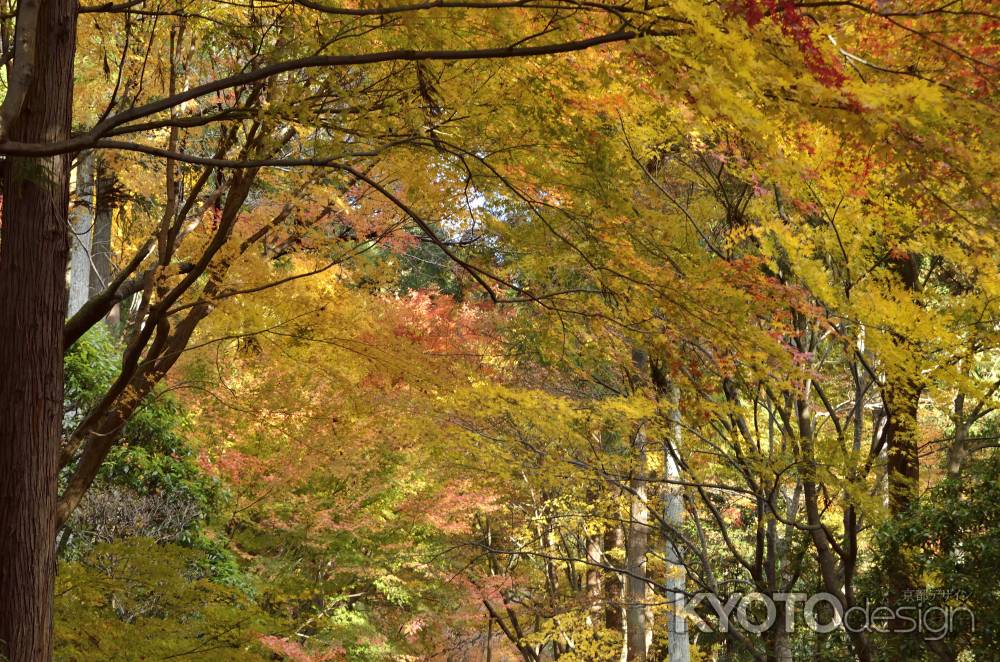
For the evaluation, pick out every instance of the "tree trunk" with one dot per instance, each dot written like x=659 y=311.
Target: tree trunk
x=33 y=256
x=636 y=548
x=614 y=538
x=100 y=252
x=825 y=556
x=901 y=399
x=782 y=645
x=958 y=452
x=901 y=442
x=903 y=474
x=678 y=646
x=595 y=554
x=489 y=639
x=81 y=234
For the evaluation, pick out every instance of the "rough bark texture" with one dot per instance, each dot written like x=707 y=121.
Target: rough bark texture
x=901 y=442
x=33 y=255
x=901 y=398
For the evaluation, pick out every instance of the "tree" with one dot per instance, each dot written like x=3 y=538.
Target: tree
x=36 y=140
x=788 y=206
x=33 y=254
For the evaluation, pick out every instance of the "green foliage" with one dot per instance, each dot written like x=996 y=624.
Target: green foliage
x=152 y=455
x=949 y=540
x=153 y=464
x=423 y=267
x=134 y=599
x=90 y=365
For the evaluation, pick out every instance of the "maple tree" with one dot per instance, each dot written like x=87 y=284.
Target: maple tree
x=407 y=331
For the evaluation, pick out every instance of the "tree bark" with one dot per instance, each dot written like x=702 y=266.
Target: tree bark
x=595 y=555
x=33 y=259
x=614 y=538
x=902 y=397
x=101 y=253
x=637 y=545
x=678 y=645
x=81 y=235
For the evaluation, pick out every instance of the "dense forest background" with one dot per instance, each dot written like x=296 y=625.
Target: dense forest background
x=498 y=330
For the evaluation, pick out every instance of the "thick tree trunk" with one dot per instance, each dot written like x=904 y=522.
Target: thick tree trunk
x=637 y=545
x=33 y=256
x=901 y=442
x=902 y=398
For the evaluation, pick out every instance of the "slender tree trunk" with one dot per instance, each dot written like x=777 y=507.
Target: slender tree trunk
x=101 y=252
x=614 y=538
x=901 y=401
x=637 y=545
x=785 y=578
x=489 y=639
x=957 y=452
x=595 y=554
x=33 y=256
x=81 y=234
x=882 y=476
x=825 y=556
x=678 y=645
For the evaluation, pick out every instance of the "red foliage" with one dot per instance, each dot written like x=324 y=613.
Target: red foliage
x=236 y=467
x=290 y=650
x=792 y=22
x=450 y=509
x=437 y=323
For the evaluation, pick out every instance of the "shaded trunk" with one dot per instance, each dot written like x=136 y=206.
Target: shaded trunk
x=33 y=259
x=901 y=443
x=901 y=397
x=595 y=553
x=903 y=475
x=614 y=538
x=782 y=644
